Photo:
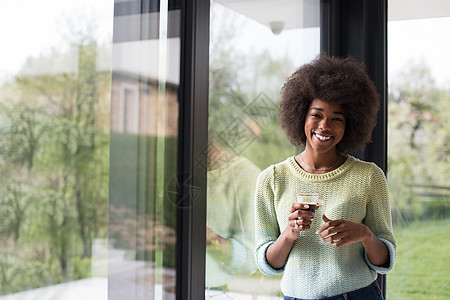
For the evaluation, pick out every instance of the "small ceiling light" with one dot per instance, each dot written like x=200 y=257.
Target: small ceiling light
x=276 y=26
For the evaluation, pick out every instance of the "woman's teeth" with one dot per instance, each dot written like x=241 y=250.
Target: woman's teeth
x=322 y=137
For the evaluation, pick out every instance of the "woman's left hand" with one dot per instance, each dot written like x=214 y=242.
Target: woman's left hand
x=342 y=232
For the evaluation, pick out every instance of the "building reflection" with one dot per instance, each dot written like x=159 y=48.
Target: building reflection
x=144 y=134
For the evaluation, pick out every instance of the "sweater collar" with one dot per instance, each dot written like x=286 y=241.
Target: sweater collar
x=350 y=160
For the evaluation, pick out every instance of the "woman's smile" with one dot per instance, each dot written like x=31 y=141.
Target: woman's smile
x=321 y=137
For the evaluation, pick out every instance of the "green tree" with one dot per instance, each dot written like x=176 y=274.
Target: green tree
x=54 y=154
x=418 y=132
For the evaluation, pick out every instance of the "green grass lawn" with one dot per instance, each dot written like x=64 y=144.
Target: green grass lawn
x=422 y=269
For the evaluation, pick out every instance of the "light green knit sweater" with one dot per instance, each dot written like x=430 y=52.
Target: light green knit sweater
x=231 y=192
x=356 y=191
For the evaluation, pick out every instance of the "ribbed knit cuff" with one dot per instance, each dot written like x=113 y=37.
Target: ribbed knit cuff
x=392 y=254
x=262 y=263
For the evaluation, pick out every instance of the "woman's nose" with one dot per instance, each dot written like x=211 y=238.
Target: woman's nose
x=323 y=124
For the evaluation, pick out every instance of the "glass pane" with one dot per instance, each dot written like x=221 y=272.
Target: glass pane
x=144 y=128
x=253 y=47
x=418 y=148
x=54 y=148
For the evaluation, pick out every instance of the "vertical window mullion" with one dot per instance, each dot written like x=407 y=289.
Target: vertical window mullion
x=192 y=145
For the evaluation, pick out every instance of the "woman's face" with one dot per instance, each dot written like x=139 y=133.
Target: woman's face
x=324 y=126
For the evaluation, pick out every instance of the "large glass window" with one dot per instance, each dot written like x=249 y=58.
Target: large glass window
x=55 y=73
x=254 y=46
x=418 y=148
x=144 y=141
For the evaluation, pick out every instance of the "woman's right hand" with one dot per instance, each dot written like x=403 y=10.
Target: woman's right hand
x=299 y=219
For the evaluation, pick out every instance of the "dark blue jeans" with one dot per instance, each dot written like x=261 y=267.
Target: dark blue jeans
x=371 y=292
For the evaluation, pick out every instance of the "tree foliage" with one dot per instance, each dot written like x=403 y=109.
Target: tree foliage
x=54 y=150
x=418 y=132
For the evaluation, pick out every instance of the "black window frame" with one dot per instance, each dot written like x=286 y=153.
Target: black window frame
x=193 y=142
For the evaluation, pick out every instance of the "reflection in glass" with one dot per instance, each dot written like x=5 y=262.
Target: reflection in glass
x=144 y=129
x=252 y=50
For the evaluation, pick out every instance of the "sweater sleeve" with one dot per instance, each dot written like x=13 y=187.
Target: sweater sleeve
x=379 y=218
x=244 y=238
x=266 y=224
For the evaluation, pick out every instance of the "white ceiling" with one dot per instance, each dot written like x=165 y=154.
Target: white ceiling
x=305 y=13
x=417 y=9
x=293 y=13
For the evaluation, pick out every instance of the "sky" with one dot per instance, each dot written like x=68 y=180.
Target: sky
x=416 y=41
x=29 y=27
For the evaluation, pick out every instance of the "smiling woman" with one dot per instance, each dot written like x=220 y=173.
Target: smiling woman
x=318 y=110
